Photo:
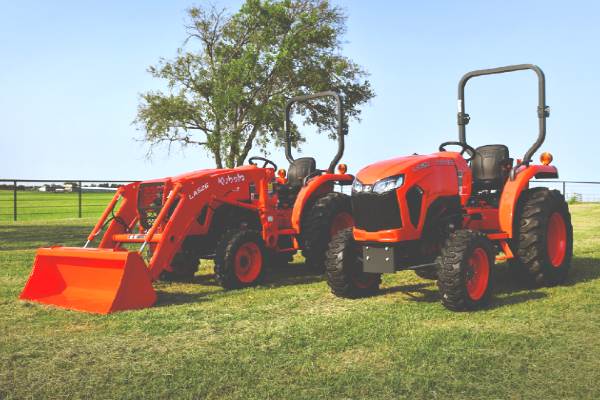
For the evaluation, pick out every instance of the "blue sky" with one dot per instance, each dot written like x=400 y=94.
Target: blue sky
x=71 y=73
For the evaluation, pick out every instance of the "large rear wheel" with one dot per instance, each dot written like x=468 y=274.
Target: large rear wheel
x=543 y=242
x=329 y=215
x=239 y=259
x=344 y=268
x=465 y=270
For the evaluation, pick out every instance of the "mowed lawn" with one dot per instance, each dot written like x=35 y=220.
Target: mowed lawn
x=291 y=339
x=34 y=205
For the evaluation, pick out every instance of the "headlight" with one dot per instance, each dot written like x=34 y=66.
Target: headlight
x=387 y=184
x=357 y=187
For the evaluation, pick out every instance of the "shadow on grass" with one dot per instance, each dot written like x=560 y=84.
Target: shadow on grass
x=165 y=299
x=275 y=276
x=419 y=292
x=30 y=237
x=290 y=274
x=583 y=269
x=206 y=279
x=507 y=288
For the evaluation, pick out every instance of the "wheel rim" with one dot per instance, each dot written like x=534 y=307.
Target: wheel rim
x=248 y=262
x=556 y=240
x=341 y=221
x=479 y=274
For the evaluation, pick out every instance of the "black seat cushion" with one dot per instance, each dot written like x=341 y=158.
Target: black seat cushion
x=300 y=169
x=489 y=166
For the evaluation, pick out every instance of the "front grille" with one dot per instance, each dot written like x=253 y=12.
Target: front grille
x=376 y=212
x=150 y=202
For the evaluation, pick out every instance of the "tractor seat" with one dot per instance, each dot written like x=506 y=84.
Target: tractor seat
x=300 y=169
x=491 y=166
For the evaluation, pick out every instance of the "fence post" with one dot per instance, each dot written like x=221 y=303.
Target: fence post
x=79 y=199
x=14 y=200
x=564 y=186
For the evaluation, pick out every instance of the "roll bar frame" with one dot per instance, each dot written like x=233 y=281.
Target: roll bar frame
x=340 y=125
x=543 y=111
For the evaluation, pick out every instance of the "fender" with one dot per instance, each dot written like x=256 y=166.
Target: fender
x=513 y=189
x=315 y=186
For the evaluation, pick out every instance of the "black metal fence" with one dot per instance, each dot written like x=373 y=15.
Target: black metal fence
x=27 y=199
x=31 y=199
x=574 y=191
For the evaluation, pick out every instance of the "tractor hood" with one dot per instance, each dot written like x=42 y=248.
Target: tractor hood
x=394 y=166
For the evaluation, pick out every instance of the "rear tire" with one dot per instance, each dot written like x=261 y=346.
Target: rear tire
x=239 y=259
x=345 y=276
x=465 y=270
x=327 y=216
x=543 y=242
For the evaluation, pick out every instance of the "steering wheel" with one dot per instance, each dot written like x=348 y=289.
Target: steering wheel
x=264 y=160
x=465 y=149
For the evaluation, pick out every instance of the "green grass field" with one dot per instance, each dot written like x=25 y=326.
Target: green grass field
x=291 y=339
x=35 y=206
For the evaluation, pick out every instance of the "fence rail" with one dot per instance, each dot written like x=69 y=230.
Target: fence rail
x=31 y=199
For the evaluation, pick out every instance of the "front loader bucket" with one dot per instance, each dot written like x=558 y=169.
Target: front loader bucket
x=93 y=280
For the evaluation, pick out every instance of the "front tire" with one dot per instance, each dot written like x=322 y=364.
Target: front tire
x=345 y=275
x=465 y=270
x=328 y=215
x=239 y=259
x=543 y=243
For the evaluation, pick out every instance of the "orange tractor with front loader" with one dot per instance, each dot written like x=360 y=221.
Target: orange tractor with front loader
x=239 y=217
x=450 y=215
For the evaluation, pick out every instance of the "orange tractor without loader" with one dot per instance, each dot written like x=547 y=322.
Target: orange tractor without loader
x=448 y=217
x=240 y=217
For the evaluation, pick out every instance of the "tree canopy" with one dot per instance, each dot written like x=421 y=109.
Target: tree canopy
x=228 y=84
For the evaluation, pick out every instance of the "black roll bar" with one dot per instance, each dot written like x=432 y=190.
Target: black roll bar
x=340 y=125
x=543 y=111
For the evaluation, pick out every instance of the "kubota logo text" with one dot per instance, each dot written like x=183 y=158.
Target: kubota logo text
x=229 y=179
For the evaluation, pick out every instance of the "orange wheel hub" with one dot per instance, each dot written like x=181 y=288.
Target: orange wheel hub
x=479 y=274
x=248 y=262
x=556 y=240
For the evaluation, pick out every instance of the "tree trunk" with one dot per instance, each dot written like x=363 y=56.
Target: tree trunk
x=247 y=146
x=215 y=146
x=217 y=157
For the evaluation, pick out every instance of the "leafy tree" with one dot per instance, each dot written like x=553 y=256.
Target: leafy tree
x=228 y=85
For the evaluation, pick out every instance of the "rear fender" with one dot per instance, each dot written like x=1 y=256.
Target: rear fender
x=315 y=187
x=513 y=189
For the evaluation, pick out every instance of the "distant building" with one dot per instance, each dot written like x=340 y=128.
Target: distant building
x=71 y=187
x=51 y=188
